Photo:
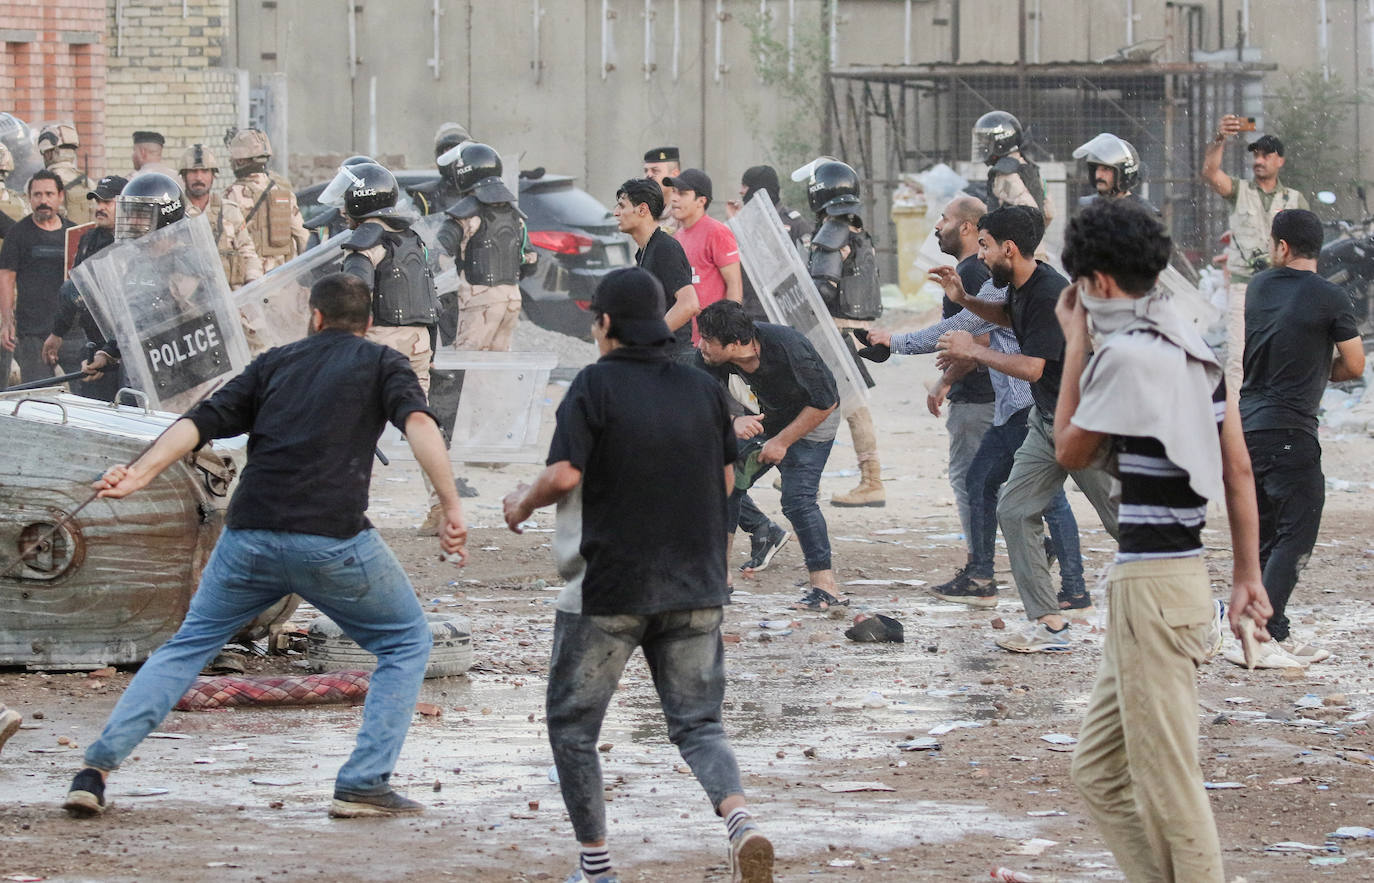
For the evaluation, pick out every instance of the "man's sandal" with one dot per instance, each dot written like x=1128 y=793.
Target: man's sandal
x=819 y=599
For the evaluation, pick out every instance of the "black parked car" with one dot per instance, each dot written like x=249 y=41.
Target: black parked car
x=576 y=236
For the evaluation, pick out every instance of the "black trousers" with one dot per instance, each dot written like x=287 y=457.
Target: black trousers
x=1291 y=492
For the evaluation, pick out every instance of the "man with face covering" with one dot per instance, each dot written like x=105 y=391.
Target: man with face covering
x=764 y=179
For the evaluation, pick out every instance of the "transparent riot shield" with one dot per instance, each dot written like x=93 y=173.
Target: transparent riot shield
x=164 y=298
x=789 y=297
x=441 y=263
x=275 y=309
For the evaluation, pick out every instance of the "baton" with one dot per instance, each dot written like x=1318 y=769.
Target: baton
x=46 y=381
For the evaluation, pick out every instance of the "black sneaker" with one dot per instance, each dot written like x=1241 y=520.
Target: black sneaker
x=965 y=589
x=86 y=797
x=763 y=545
x=1049 y=552
x=348 y=805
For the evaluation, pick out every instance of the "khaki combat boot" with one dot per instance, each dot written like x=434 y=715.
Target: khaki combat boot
x=870 y=490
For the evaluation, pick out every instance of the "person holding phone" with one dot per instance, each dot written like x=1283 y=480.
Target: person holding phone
x=1254 y=205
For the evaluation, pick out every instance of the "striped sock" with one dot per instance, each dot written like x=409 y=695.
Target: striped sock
x=595 y=862
x=737 y=821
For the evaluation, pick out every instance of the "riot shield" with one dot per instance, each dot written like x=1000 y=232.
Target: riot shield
x=441 y=263
x=164 y=298
x=789 y=297
x=275 y=309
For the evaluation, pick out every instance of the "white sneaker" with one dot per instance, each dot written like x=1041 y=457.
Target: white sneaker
x=1267 y=655
x=1216 y=633
x=1038 y=638
x=1304 y=653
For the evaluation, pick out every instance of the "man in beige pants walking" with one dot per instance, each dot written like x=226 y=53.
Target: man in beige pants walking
x=1154 y=398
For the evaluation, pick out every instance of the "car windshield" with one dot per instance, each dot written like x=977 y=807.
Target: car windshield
x=565 y=204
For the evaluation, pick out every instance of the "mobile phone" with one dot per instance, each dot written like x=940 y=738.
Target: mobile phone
x=1247 y=124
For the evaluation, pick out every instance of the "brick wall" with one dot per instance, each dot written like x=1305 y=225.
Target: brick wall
x=52 y=68
x=168 y=73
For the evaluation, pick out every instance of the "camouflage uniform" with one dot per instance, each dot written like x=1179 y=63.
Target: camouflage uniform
x=58 y=144
x=241 y=262
x=266 y=200
x=12 y=204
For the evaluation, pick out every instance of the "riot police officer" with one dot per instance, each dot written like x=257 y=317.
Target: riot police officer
x=1012 y=179
x=266 y=200
x=485 y=233
x=436 y=197
x=844 y=266
x=331 y=221
x=58 y=142
x=1113 y=169
x=391 y=258
x=146 y=203
x=13 y=205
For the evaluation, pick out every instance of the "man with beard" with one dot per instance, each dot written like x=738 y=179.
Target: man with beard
x=31 y=266
x=1007 y=239
x=71 y=310
x=1113 y=170
x=236 y=249
x=1254 y=205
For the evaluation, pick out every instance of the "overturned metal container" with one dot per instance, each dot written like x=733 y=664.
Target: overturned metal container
x=115 y=582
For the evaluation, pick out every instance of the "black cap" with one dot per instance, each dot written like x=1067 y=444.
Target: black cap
x=694 y=180
x=661 y=154
x=107 y=187
x=633 y=298
x=149 y=138
x=1266 y=144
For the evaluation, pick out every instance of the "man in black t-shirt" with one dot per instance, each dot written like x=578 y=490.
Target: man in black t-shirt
x=637 y=429
x=1007 y=239
x=1293 y=319
x=31 y=272
x=638 y=204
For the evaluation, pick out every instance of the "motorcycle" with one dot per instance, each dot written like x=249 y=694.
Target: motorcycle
x=1348 y=261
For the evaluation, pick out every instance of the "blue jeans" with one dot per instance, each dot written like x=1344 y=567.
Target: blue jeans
x=986 y=475
x=801 y=471
x=687 y=660
x=356 y=582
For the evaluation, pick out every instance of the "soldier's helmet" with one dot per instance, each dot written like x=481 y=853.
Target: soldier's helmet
x=6 y=161
x=1118 y=153
x=996 y=134
x=469 y=164
x=198 y=156
x=833 y=189
x=449 y=136
x=55 y=135
x=371 y=192
x=247 y=146
x=148 y=202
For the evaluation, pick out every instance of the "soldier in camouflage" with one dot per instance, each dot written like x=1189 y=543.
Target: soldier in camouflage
x=199 y=167
x=58 y=143
x=13 y=206
x=266 y=200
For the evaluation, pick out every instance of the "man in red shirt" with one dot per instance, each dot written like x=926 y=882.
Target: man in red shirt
x=709 y=244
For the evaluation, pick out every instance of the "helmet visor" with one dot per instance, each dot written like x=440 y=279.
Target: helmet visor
x=450 y=156
x=135 y=217
x=333 y=193
x=805 y=172
x=1104 y=150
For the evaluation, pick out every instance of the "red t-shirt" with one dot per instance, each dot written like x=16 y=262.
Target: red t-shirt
x=709 y=245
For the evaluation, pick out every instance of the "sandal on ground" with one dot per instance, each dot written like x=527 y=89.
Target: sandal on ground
x=819 y=599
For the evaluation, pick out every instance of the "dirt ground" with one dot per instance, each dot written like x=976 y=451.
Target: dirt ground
x=244 y=797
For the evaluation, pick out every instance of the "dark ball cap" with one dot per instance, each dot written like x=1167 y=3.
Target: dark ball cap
x=661 y=154
x=149 y=138
x=1266 y=144
x=633 y=298
x=694 y=180
x=107 y=187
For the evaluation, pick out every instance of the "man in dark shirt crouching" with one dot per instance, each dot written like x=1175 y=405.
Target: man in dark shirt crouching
x=313 y=410
x=643 y=448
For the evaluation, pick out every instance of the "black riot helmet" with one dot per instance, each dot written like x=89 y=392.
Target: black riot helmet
x=470 y=163
x=148 y=202
x=371 y=192
x=1117 y=153
x=332 y=194
x=996 y=134
x=833 y=189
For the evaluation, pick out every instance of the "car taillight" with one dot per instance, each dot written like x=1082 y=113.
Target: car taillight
x=584 y=304
x=561 y=241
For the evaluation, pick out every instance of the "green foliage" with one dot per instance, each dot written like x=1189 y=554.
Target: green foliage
x=799 y=91
x=1310 y=115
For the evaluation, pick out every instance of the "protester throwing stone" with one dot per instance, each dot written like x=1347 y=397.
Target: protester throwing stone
x=637 y=428
x=313 y=410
